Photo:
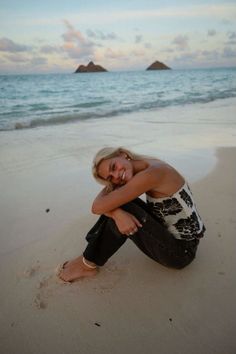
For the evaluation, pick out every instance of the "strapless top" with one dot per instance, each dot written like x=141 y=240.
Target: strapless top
x=179 y=214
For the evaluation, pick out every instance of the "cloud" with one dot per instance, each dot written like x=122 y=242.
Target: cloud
x=232 y=38
x=226 y=22
x=205 y=58
x=231 y=35
x=48 y=49
x=138 y=52
x=115 y=54
x=78 y=52
x=167 y=50
x=138 y=38
x=211 y=32
x=22 y=59
x=101 y=35
x=7 y=45
x=181 y=42
x=147 y=45
x=72 y=34
x=210 y=54
x=38 y=61
x=17 y=58
x=229 y=52
x=75 y=44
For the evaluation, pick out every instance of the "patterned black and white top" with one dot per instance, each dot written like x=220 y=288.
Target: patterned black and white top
x=179 y=214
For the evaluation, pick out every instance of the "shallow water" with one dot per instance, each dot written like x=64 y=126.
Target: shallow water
x=38 y=100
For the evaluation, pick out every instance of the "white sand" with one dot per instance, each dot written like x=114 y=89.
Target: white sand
x=134 y=305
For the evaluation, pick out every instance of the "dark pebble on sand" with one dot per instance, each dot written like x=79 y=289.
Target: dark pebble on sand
x=47 y=210
x=170 y=319
x=97 y=324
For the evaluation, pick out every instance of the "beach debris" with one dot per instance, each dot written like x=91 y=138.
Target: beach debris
x=97 y=324
x=47 y=210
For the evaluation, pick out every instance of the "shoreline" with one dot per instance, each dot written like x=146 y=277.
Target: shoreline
x=188 y=144
x=70 y=121
x=189 y=310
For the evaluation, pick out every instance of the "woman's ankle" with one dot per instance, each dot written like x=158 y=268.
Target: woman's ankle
x=89 y=265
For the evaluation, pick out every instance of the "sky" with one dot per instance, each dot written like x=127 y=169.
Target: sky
x=54 y=36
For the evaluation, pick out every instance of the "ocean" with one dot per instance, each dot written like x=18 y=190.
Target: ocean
x=29 y=101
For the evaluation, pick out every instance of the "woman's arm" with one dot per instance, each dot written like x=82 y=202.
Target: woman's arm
x=139 y=184
x=126 y=223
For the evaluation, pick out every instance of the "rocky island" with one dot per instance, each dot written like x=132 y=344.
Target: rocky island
x=157 y=65
x=90 y=68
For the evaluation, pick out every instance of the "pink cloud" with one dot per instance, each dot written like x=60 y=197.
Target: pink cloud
x=114 y=54
x=181 y=42
x=75 y=44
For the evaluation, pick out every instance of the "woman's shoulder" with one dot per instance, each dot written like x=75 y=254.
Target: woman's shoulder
x=157 y=165
x=155 y=172
x=167 y=178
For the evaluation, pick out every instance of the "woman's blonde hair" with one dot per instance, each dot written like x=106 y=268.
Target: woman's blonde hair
x=108 y=153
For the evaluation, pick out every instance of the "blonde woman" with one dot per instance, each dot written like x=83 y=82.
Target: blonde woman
x=167 y=228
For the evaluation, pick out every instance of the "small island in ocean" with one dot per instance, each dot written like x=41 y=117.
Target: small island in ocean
x=157 y=65
x=90 y=68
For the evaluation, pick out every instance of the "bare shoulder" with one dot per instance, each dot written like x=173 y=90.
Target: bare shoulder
x=166 y=179
x=154 y=174
x=158 y=167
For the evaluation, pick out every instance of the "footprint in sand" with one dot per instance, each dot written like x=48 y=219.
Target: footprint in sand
x=46 y=285
x=46 y=288
x=104 y=282
x=31 y=271
x=39 y=303
x=44 y=292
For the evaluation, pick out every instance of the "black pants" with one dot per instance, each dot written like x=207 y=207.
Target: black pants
x=153 y=239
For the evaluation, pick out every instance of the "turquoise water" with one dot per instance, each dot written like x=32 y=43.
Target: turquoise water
x=28 y=101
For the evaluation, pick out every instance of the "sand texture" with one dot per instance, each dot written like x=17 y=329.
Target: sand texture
x=134 y=305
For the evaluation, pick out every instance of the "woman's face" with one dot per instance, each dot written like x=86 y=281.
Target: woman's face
x=117 y=170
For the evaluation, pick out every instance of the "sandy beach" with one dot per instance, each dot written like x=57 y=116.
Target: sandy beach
x=133 y=305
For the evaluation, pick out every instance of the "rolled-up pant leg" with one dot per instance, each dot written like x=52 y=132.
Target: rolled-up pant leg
x=104 y=239
x=152 y=238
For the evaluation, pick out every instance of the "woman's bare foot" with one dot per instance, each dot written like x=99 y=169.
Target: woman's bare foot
x=76 y=269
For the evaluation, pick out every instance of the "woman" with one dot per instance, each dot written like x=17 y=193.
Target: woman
x=167 y=228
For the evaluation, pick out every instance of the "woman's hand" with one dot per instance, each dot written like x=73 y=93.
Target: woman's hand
x=126 y=223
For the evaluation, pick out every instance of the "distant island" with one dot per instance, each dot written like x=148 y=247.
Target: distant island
x=157 y=65
x=93 y=68
x=90 y=68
